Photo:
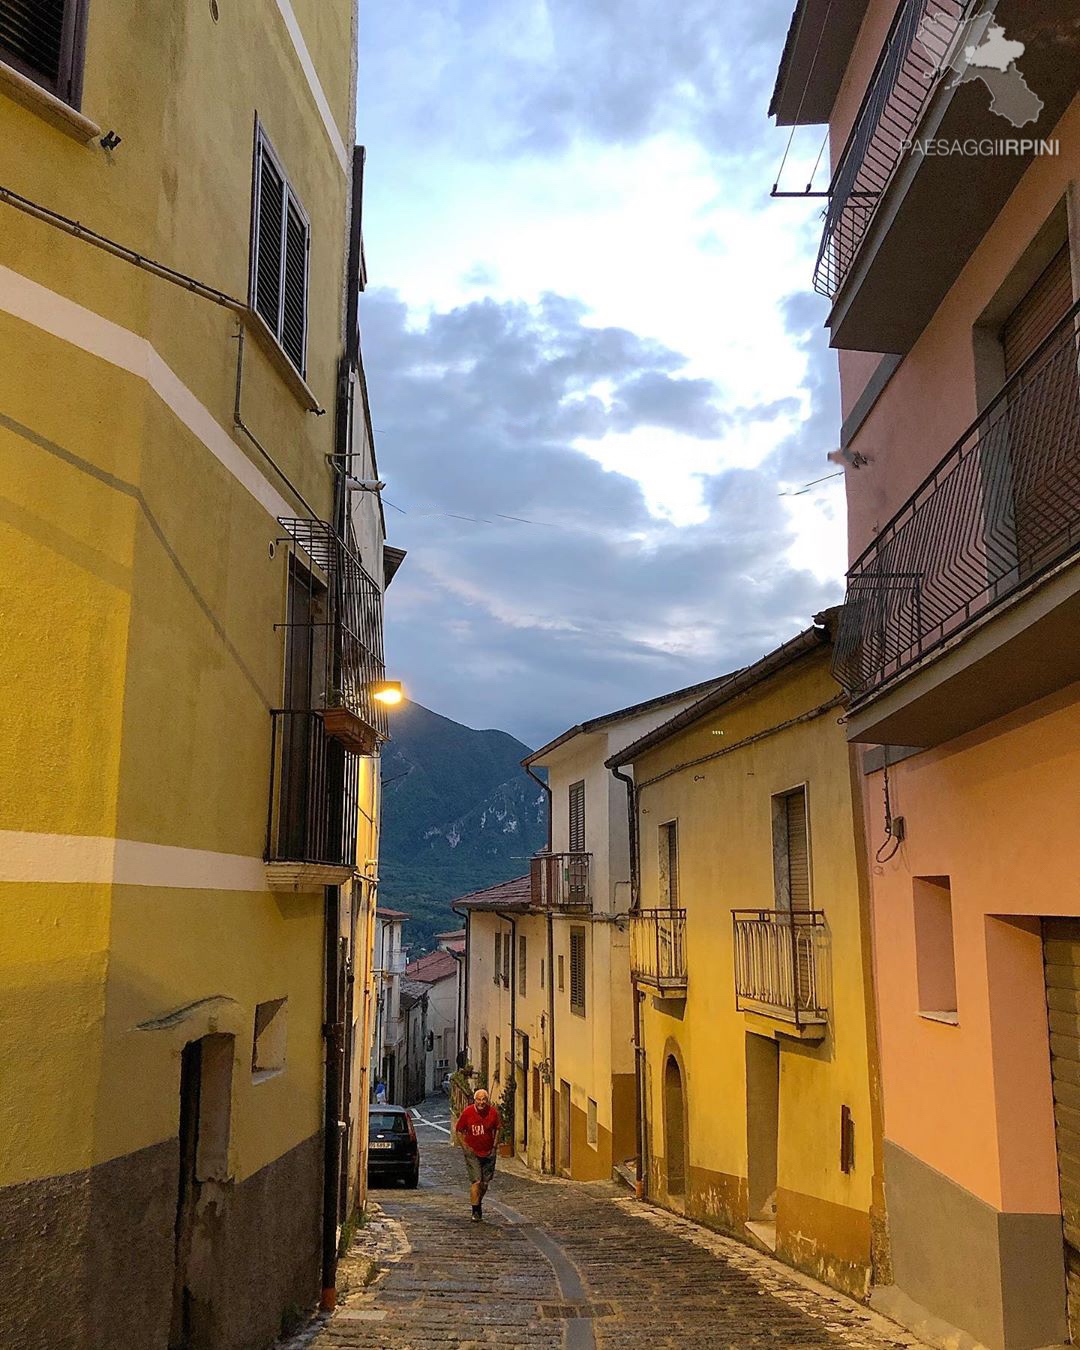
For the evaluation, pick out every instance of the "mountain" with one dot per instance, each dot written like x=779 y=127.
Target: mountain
x=459 y=813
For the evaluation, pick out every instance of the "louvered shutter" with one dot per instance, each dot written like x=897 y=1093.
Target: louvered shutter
x=1043 y=418
x=522 y=975
x=1040 y=311
x=798 y=852
x=673 y=864
x=268 y=231
x=498 y=958
x=577 y=971
x=294 y=300
x=577 y=818
x=43 y=40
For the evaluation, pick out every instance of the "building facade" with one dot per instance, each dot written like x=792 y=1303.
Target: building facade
x=750 y=962
x=387 y=1047
x=953 y=281
x=441 y=972
x=192 y=603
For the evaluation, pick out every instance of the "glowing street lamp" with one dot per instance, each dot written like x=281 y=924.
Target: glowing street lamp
x=388 y=692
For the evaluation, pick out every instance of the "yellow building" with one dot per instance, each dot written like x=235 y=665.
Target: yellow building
x=192 y=628
x=549 y=997
x=751 y=971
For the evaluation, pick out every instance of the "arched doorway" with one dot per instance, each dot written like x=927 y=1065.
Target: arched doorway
x=674 y=1127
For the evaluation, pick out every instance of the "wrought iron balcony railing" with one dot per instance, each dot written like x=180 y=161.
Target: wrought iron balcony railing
x=346 y=640
x=658 y=948
x=779 y=964
x=909 y=70
x=1002 y=508
x=314 y=794
x=561 y=880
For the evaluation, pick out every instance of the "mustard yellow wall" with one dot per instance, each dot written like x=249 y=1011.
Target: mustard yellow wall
x=724 y=814
x=140 y=656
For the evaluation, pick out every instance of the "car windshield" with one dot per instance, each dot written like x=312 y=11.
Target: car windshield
x=388 y=1122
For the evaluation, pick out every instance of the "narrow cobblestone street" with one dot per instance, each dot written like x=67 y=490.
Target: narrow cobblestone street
x=559 y=1264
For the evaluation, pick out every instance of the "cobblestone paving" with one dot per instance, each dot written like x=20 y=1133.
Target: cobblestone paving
x=558 y=1264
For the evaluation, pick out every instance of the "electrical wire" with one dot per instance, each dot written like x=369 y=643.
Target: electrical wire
x=881 y=856
x=802 y=96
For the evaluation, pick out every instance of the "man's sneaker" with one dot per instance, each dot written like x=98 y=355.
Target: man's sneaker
x=477 y=1214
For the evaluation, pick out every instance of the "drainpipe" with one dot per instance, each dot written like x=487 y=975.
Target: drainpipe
x=333 y=1033
x=550 y=1160
x=641 y=1185
x=513 y=1017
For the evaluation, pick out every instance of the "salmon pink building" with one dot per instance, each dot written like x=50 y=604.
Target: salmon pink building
x=951 y=260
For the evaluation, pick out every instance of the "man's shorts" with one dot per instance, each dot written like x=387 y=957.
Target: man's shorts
x=479 y=1169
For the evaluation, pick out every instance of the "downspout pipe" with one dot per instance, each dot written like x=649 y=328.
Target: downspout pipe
x=513 y=1019
x=333 y=1033
x=550 y=1160
x=641 y=1185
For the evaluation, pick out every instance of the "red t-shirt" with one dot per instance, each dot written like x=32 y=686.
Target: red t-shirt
x=479 y=1131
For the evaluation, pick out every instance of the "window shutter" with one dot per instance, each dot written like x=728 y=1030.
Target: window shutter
x=507 y=954
x=522 y=977
x=498 y=957
x=798 y=851
x=577 y=818
x=294 y=301
x=577 y=971
x=1033 y=319
x=43 y=39
x=268 y=252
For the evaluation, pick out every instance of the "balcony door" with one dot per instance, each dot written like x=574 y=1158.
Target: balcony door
x=1043 y=417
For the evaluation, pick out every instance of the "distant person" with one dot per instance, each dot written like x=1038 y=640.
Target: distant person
x=380 y=1093
x=477 y=1130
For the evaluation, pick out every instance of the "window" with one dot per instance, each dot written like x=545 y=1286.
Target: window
x=593 y=1132
x=498 y=1057
x=45 y=40
x=562 y=973
x=484 y=1062
x=522 y=976
x=268 y=1041
x=669 y=864
x=577 y=971
x=791 y=850
x=281 y=243
x=498 y=958
x=576 y=840
x=935 y=961
x=542 y=973
x=507 y=955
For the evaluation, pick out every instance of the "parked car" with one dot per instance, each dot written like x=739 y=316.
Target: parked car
x=393 y=1149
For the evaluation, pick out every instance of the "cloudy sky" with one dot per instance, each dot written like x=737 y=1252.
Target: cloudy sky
x=599 y=379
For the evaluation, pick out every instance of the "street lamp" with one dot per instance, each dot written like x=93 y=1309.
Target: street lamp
x=388 y=692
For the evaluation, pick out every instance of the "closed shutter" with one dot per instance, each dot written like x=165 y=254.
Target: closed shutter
x=1040 y=311
x=498 y=958
x=798 y=851
x=44 y=40
x=280 y=264
x=522 y=977
x=507 y=953
x=1043 y=424
x=577 y=971
x=1061 y=951
x=577 y=818
x=671 y=862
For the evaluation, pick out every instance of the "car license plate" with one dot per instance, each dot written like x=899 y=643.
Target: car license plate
x=379 y=1143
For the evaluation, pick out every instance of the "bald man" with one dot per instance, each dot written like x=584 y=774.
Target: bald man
x=477 y=1130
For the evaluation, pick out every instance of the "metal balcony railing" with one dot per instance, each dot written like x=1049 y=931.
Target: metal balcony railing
x=658 y=948
x=779 y=963
x=561 y=880
x=314 y=793
x=999 y=510
x=912 y=63
x=346 y=644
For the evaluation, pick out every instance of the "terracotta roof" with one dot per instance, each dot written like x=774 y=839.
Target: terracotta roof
x=506 y=895
x=810 y=640
x=433 y=967
x=634 y=710
x=393 y=914
x=453 y=933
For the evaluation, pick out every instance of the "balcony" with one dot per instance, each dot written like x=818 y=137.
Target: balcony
x=780 y=967
x=894 y=239
x=314 y=802
x=561 y=881
x=966 y=606
x=658 y=950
